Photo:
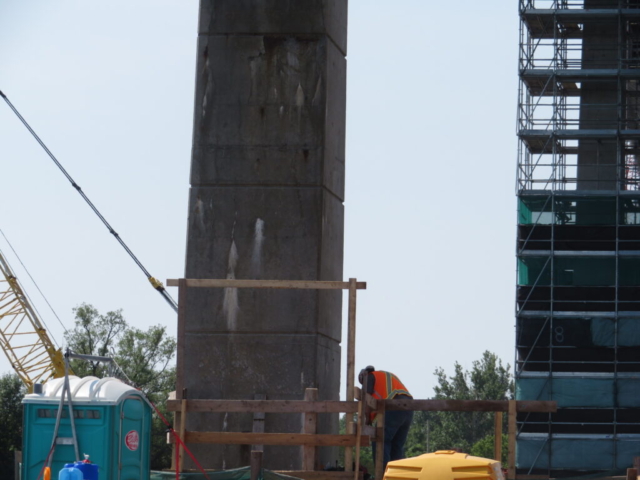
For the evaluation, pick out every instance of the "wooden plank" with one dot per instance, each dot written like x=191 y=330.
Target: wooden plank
x=351 y=360
x=181 y=434
x=511 y=474
x=348 y=452
x=309 y=425
x=274 y=406
x=379 y=466
x=357 y=393
x=358 y=436
x=287 y=284
x=294 y=439
x=258 y=423
x=255 y=464
x=319 y=475
x=468 y=405
x=182 y=319
x=17 y=460
x=497 y=436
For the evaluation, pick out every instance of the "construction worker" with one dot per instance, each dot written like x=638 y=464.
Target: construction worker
x=385 y=386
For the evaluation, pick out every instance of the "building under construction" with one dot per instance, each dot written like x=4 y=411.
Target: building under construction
x=578 y=245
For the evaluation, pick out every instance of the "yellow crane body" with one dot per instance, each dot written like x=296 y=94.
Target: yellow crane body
x=23 y=337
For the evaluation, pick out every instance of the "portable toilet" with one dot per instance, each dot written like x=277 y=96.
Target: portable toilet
x=444 y=465
x=112 y=423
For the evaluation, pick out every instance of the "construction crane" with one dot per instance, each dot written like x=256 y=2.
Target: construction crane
x=23 y=337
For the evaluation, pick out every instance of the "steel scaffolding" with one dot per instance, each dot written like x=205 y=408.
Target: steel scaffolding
x=578 y=246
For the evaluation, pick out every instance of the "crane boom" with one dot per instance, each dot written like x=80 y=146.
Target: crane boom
x=23 y=337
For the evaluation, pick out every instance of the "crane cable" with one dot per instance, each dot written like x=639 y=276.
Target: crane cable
x=33 y=305
x=154 y=282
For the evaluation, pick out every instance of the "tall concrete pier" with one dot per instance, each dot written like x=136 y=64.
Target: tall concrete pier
x=266 y=202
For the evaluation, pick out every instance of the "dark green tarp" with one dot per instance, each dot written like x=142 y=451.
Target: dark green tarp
x=243 y=473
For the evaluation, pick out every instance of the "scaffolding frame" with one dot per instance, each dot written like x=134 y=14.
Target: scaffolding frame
x=564 y=192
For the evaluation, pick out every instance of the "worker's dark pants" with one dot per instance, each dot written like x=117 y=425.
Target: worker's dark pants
x=396 y=429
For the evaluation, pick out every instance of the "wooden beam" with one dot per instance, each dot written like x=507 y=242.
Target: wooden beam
x=256 y=464
x=309 y=425
x=469 y=405
x=357 y=393
x=351 y=356
x=258 y=424
x=379 y=465
x=181 y=434
x=294 y=439
x=274 y=406
x=182 y=319
x=286 y=284
x=358 y=435
x=497 y=436
x=511 y=474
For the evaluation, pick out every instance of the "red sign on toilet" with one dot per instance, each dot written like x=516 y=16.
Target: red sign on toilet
x=131 y=440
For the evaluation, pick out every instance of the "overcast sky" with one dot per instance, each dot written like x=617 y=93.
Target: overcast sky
x=430 y=205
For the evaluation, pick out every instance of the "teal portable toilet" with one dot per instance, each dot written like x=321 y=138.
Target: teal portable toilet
x=113 y=427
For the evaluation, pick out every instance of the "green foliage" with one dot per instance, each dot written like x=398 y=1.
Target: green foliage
x=366 y=453
x=11 y=392
x=484 y=448
x=144 y=356
x=487 y=380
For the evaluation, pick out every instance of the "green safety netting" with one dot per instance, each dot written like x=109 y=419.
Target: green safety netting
x=572 y=453
x=605 y=391
x=243 y=473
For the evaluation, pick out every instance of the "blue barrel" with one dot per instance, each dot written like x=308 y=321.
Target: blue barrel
x=70 y=473
x=89 y=471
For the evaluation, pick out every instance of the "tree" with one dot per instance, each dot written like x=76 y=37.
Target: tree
x=143 y=356
x=11 y=392
x=484 y=448
x=487 y=380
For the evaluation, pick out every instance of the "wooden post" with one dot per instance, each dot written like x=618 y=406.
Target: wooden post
x=512 y=440
x=351 y=357
x=380 y=442
x=258 y=422
x=178 y=419
x=632 y=474
x=309 y=425
x=174 y=444
x=358 y=436
x=17 y=460
x=182 y=428
x=256 y=464
x=497 y=432
x=182 y=319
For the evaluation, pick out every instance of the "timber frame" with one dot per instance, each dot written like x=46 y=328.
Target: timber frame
x=358 y=433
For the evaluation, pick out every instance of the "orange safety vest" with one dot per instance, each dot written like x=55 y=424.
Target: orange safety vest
x=387 y=386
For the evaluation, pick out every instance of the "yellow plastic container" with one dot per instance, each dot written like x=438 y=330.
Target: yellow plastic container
x=444 y=465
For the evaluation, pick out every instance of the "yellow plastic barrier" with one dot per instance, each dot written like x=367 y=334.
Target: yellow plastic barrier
x=444 y=465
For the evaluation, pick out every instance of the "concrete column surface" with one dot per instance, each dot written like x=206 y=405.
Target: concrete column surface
x=598 y=160
x=266 y=202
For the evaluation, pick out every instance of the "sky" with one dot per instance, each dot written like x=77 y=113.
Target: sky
x=430 y=207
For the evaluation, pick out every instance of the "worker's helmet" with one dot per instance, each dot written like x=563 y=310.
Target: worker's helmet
x=363 y=373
